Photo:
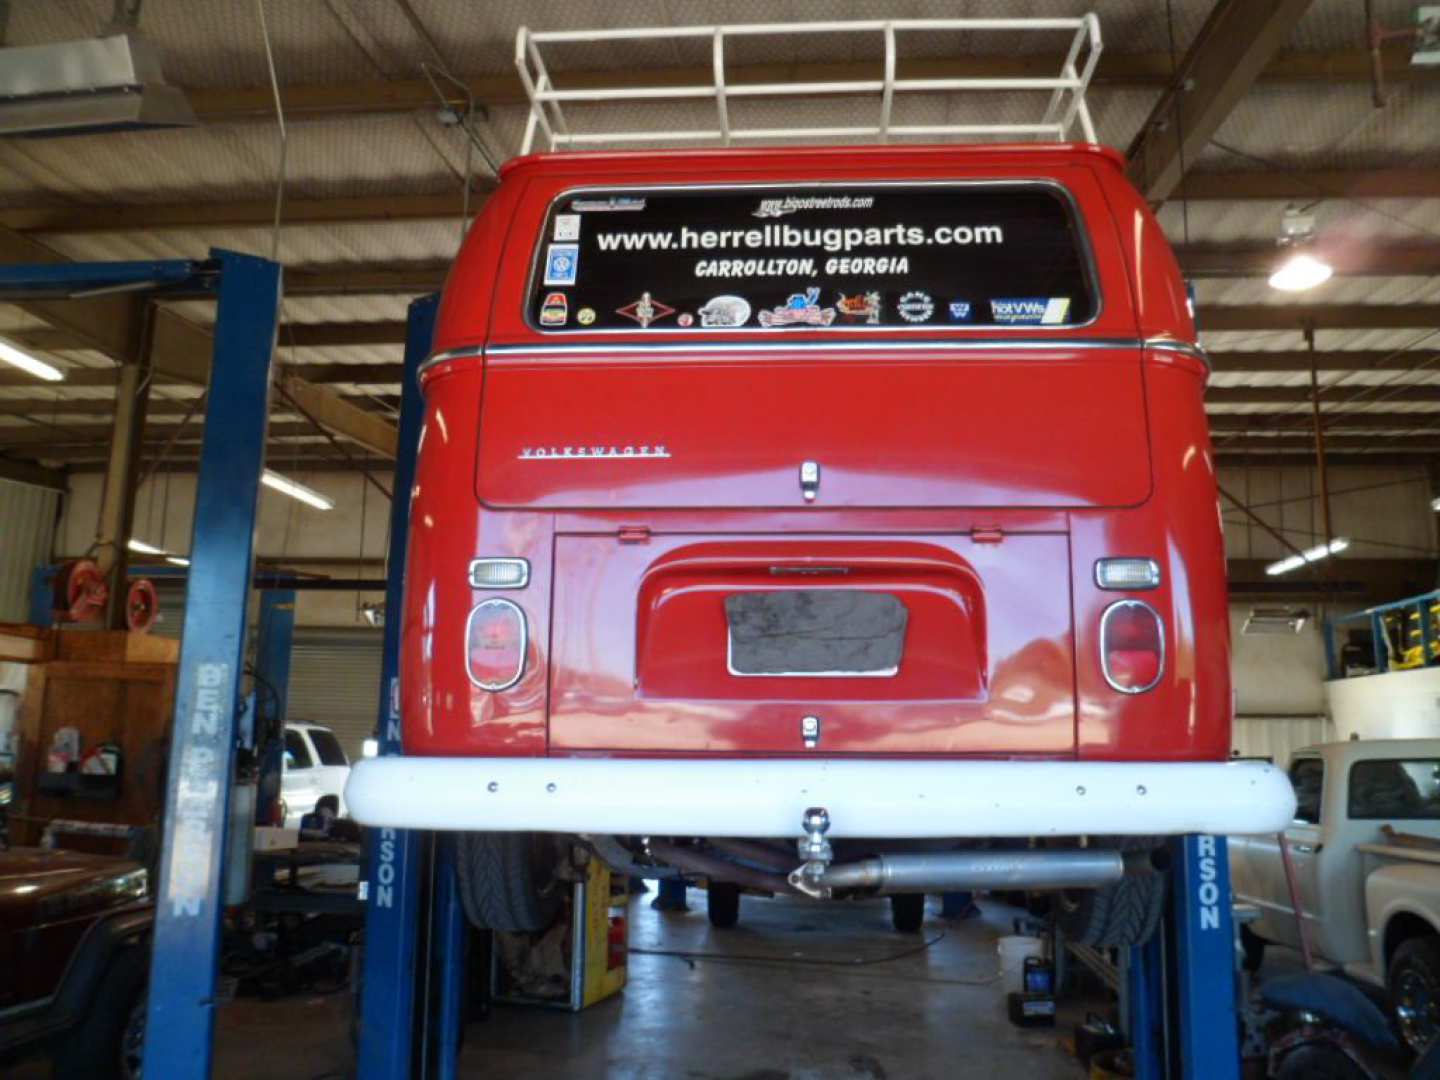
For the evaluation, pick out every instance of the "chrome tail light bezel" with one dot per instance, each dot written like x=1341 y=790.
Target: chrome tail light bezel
x=1110 y=612
x=513 y=608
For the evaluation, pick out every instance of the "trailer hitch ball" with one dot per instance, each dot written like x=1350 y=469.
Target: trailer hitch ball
x=815 y=853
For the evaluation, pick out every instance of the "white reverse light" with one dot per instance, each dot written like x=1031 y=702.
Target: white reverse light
x=140 y=547
x=296 y=490
x=25 y=362
x=370 y=748
x=1309 y=555
x=1300 y=272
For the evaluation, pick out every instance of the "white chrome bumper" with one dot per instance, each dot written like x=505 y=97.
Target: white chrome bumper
x=865 y=798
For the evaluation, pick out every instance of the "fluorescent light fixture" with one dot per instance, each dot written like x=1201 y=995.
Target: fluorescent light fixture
x=25 y=362
x=1266 y=620
x=296 y=490
x=1309 y=555
x=142 y=548
x=177 y=560
x=1435 y=504
x=1300 y=272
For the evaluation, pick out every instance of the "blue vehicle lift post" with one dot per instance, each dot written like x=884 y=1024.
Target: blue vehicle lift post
x=414 y=937
x=185 y=955
x=1181 y=987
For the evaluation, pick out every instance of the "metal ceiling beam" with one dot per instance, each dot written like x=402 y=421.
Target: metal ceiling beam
x=1275 y=185
x=251 y=103
x=1213 y=317
x=27 y=472
x=1303 y=423
x=1306 y=460
x=1339 y=397
x=1258 y=445
x=1238 y=40
x=1258 y=260
x=193 y=214
x=67 y=437
x=1238 y=361
x=1283 y=185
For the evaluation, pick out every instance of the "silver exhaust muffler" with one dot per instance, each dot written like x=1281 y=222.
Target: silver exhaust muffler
x=949 y=871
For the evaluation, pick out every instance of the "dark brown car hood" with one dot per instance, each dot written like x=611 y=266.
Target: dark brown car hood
x=29 y=875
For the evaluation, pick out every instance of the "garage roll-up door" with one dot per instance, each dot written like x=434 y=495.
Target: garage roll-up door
x=335 y=681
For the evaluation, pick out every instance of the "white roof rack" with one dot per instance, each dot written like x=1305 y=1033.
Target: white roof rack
x=1066 y=105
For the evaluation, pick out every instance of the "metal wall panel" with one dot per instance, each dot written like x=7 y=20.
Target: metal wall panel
x=27 y=529
x=335 y=681
x=1277 y=737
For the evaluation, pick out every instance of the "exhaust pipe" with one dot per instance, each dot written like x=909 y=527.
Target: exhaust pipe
x=948 y=871
x=718 y=869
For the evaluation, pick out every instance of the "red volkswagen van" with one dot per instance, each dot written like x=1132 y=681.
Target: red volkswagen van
x=838 y=521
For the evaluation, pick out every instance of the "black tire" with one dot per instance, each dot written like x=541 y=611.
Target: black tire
x=907 y=912
x=1116 y=916
x=1413 y=981
x=1318 y=1061
x=105 y=1045
x=722 y=904
x=1253 y=946
x=509 y=881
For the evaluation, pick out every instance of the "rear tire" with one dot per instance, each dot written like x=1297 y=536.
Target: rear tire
x=509 y=881
x=907 y=912
x=1318 y=1061
x=1414 y=985
x=1115 y=916
x=722 y=904
x=105 y=1044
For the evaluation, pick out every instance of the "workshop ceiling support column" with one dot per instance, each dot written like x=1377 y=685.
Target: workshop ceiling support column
x=117 y=504
x=189 y=902
x=1233 y=47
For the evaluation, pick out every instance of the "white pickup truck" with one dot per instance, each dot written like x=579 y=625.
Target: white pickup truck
x=1365 y=844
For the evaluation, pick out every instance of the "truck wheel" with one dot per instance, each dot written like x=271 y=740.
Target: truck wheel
x=907 y=912
x=722 y=904
x=106 y=1044
x=1253 y=945
x=509 y=881
x=1414 y=985
x=1318 y=1061
x=1123 y=914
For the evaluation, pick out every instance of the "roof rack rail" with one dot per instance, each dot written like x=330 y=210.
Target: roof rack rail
x=1066 y=105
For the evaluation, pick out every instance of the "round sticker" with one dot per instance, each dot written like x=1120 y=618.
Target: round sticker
x=686 y=319
x=585 y=316
x=915 y=306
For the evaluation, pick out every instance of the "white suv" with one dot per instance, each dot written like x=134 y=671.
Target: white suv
x=315 y=766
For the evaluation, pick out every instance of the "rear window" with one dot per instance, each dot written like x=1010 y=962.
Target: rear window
x=1391 y=790
x=900 y=256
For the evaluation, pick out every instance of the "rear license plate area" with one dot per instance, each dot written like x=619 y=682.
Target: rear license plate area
x=825 y=633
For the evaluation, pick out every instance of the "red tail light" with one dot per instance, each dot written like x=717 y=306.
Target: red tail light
x=1132 y=646
x=495 y=643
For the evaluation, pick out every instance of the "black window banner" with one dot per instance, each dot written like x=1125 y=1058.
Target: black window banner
x=906 y=256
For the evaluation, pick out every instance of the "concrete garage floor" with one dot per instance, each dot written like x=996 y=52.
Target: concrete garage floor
x=831 y=991
x=797 y=991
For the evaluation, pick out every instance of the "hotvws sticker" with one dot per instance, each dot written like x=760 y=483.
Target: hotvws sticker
x=555 y=310
x=915 y=306
x=645 y=310
x=725 y=312
x=562 y=262
x=801 y=309
x=860 y=308
x=1030 y=310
